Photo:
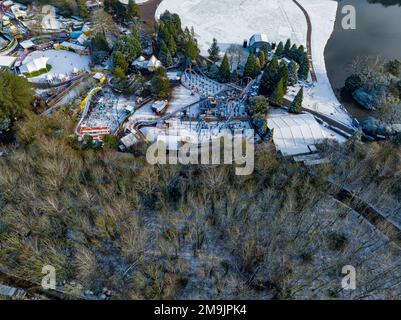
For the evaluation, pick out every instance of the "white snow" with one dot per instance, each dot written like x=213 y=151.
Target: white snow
x=297 y=134
x=233 y=21
x=181 y=97
x=62 y=62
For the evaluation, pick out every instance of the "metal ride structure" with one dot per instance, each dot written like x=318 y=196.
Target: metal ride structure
x=222 y=106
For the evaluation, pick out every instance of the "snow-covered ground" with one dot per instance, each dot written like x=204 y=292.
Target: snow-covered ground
x=62 y=62
x=233 y=21
x=181 y=97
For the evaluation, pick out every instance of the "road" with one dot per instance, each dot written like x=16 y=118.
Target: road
x=308 y=40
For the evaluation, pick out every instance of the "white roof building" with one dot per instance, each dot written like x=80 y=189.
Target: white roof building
x=27 y=44
x=34 y=65
x=7 y=61
x=296 y=134
x=8 y=3
x=18 y=11
x=82 y=38
x=72 y=46
x=154 y=63
x=98 y=76
x=258 y=39
x=50 y=23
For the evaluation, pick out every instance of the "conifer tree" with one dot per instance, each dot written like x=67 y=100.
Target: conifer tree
x=280 y=49
x=293 y=72
x=214 y=51
x=172 y=46
x=303 y=65
x=191 y=49
x=262 y=59
x=132 y=10
x=296 y=105
x=284 y=74
x=250 y=66
x=224 y=71
x=258 y=67
x=287 y=48
x=165 y=55
x=269 y=78
x=277 y=96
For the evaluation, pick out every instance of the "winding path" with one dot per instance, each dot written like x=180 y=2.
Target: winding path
x=308 y=40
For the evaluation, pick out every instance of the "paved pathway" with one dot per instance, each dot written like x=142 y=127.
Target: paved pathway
x=308 y=40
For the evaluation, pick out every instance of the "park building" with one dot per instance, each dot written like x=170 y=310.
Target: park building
x=34 y=65
x=258 y=41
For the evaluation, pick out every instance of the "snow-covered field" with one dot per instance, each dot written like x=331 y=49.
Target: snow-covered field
x=233 y=21
x=182 y=97
x=62 y=62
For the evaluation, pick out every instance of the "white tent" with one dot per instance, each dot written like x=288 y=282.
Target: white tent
x=7 y=61
x=72 y=46
x=153 y=63
x=27 y=44
x=295 y=134
x=34 y=65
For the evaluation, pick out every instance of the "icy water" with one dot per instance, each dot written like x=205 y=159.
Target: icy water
x=378 y=32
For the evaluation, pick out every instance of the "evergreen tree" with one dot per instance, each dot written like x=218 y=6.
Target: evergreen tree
x=280 y=49
x=293 y=53
x=296 y=105
x=293 y=72
x=394 y=67
x=120 y=62
x=162 y=33
x=258 y=66
x=283 y=73
x=16 y=96
x=132 y=10
x=277 y=96
x=224 y=71
x=165 y=55
x=303 y=65
x=265 y=50
x=160 y=83
x=214 y=51
x=172 y=46
x=83 y=10
x=250 y=66
x=191 y=49
x=269 y=78
x=287 y=48
x=119 y=73
x=130 y=46
x=262 y=59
